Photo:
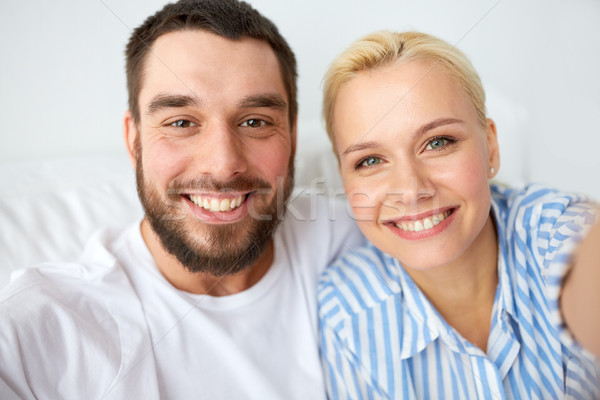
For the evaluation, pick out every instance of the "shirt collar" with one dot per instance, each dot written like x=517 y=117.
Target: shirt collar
x=424 y=322
x=499 y=212
x=419 y=317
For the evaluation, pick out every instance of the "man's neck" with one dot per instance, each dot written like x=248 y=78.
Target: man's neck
x=202 y=282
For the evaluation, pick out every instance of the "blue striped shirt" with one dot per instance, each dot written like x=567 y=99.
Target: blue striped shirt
x=382 y=339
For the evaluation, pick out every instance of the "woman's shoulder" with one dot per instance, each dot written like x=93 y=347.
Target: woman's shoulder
x=359 y=279
x=535 y=203
x=533 y=194
x=540 y=221
x=363 y=260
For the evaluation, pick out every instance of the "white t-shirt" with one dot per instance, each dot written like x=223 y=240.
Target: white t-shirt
x=111 y=327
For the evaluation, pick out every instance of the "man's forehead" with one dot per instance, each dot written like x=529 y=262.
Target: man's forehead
x=204 y=37
x=202 y=48
x=197 y=61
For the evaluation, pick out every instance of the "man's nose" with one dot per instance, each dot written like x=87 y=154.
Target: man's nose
x=223 y=153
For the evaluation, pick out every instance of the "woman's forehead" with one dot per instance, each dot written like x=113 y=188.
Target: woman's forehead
x=398 y=97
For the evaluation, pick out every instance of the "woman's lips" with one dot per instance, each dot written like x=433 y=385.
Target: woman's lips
x=417 y=225
x=422 y=226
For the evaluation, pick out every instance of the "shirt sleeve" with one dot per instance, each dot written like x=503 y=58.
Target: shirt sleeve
x=562 y=235
x=50 y=349
x=7 y=393
x=60 y=340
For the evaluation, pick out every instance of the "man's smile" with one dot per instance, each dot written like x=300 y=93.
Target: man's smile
x=218 y=203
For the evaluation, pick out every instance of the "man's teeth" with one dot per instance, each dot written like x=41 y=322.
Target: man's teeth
x=423 y=224
x=215 y=205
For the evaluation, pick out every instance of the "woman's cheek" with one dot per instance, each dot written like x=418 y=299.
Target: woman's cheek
x=466 y=175
x=364 y=202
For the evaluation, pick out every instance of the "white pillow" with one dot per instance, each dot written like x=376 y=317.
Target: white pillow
x=48 y=209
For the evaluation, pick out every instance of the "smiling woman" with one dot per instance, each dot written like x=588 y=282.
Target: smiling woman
x=411 y=181
x=457 y=296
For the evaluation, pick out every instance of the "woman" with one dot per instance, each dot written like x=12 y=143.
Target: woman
x=457 y=296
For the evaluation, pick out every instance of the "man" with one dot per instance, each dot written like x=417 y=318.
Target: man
x=203 y=298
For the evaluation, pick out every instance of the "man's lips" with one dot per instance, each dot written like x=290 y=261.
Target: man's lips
x=218 y=202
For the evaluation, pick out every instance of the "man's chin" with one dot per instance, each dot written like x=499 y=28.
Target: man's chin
x=223 y=260
x=217 y=249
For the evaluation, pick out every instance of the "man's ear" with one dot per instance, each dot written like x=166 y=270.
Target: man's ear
x=130 y=135
x=294 y=134
x=493 y=148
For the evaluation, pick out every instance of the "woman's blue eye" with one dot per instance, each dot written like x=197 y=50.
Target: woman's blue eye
x=369 y=161
x=436 y=143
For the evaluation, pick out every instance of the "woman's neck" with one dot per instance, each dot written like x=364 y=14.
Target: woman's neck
x=463 y=292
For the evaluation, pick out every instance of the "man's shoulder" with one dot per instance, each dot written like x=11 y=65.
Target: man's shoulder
x=67 y=321
x=315 y=215
x=319 y=208
x=47 y=313
x=49 y=291
x=55 y=279
x=63 y=293
x=319 y=228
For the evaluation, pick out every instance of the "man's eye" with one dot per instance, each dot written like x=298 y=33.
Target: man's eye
x=181 y=123
x=253 y=123
x=368 y=162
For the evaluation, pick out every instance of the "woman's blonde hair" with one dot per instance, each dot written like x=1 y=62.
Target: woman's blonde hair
x=384 y=48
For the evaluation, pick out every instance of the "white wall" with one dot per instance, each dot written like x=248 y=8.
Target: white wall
x=62 y=86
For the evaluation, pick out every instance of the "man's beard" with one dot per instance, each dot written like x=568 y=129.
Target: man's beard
x=220 y=249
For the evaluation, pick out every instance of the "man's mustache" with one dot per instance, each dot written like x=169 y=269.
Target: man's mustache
x=235 y=185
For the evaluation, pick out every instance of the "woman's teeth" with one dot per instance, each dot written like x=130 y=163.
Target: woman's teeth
x=217 y=205
x=423 y=224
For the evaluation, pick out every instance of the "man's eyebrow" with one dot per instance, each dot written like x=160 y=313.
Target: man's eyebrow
x=419 y=132
x=269 y=100
x=162 y=101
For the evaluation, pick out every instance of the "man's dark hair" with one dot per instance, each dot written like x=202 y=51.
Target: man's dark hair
x=230 y=19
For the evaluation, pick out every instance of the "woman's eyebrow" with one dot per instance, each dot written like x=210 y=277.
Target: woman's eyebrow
x=419 y=132
x=435 y=124
x=361 y=146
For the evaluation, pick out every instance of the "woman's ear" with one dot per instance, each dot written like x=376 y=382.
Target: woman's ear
x=493 y=148
x=130 y=135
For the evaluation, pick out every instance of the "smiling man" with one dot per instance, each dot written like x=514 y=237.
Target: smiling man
x=212 y=143
x=206 y=297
